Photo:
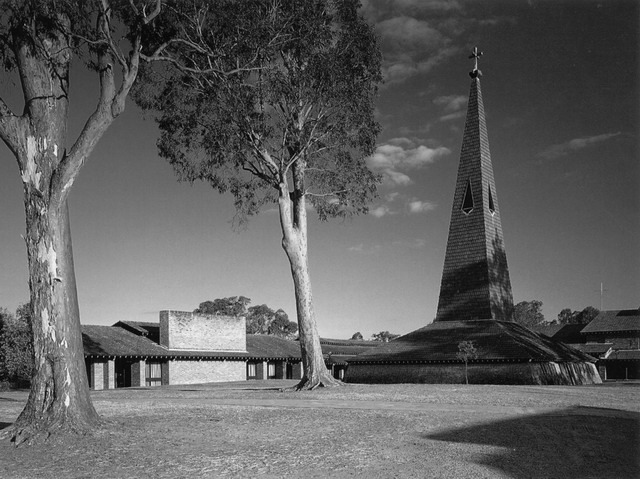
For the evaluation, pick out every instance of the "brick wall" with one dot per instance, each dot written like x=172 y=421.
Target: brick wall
x=97 y=374
x=199 y=332
x=202 y=371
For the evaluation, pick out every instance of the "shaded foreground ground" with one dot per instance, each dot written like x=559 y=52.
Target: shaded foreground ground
x=250 y=429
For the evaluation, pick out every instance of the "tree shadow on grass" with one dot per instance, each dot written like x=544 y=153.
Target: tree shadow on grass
x=572 y=443
x=4 y=425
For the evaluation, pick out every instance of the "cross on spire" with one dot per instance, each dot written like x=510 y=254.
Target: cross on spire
x=475 y=54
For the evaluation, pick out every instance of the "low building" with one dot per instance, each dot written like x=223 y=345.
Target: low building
x=189 y=348
x=183 y=348
x=617 y=333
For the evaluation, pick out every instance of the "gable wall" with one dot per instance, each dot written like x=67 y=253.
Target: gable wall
x=180 y=330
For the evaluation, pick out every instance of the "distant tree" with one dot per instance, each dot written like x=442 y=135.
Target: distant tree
x=357 y=336
x=231 y=306
x=281 y=326
x=588 y=314
x=291 y=122
x=384 y=336
x=260 y=319
x=16 y=346
x=528 y=313
x=566 y=316
x=466 y=352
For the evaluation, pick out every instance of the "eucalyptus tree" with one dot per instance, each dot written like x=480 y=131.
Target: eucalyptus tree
x=273 y=101
x=40 y=40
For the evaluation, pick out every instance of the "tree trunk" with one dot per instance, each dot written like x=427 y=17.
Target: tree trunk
x=294 y=242
x=59 y=399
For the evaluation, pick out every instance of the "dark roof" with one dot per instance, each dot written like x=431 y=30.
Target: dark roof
x=108 y=341
x=547 y=329
x=625 y=354
x=594 y=350
x=567 y=333
x=136 y=338
x=620 y=320
x=351 y=347
x=494 y=340
x=261 y=346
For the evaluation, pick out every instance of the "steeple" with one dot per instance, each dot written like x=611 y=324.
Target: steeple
x=475 y=280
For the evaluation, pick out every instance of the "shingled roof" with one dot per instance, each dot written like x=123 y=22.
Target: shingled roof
x=495 y=341
x=261 y=346
x=138 y=339
x=109 y=341
x=567 y=333
x=619 y=320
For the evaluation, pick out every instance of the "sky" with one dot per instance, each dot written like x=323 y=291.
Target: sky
x=560 y=87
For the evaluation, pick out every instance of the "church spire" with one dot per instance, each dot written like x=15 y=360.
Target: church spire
x=475 y=280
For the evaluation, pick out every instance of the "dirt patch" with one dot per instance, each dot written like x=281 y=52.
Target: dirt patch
x=495 y=432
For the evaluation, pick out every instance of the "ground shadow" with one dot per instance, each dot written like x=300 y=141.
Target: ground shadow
x=4 y=425
x=576 y=442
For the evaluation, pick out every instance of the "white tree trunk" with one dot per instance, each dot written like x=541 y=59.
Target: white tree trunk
x=294 y=241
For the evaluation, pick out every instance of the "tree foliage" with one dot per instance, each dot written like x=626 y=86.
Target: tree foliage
x=384 y=336
x=260 y=319
x=299 y=97
x=16 y=346
x=231 y=306
x=357 y=336
x=567 y=316
x=528 y=313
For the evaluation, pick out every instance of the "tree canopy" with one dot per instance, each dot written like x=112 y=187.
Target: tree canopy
x=261 y=319
x=567 y=316
x=528 y=313
x=299 y=97
x=384 y=336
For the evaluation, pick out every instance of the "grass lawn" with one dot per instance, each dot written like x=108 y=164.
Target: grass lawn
x=250 y=429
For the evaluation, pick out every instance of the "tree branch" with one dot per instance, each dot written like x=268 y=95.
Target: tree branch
x=10 y=125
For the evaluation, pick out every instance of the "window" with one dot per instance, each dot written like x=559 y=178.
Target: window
x=492 y=208
x=154 y=373
x=251 y=370
x=271 y=370
x=467 y=201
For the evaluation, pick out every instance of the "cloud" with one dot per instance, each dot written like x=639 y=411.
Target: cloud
x=380 y=211
x=564 y=149
x=418 y=35
x=396 y=203
x=364 y=249
x=399 y=155
x=451 y=103
x=418 y=206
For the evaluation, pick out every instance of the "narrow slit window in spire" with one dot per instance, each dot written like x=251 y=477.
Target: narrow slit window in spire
x=492 y=208
x=467 y=201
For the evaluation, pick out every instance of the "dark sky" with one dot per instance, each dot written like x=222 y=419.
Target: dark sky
x=560 y=89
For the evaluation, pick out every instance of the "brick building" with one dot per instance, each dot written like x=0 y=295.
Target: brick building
x=475 y=302
x=188 y=348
